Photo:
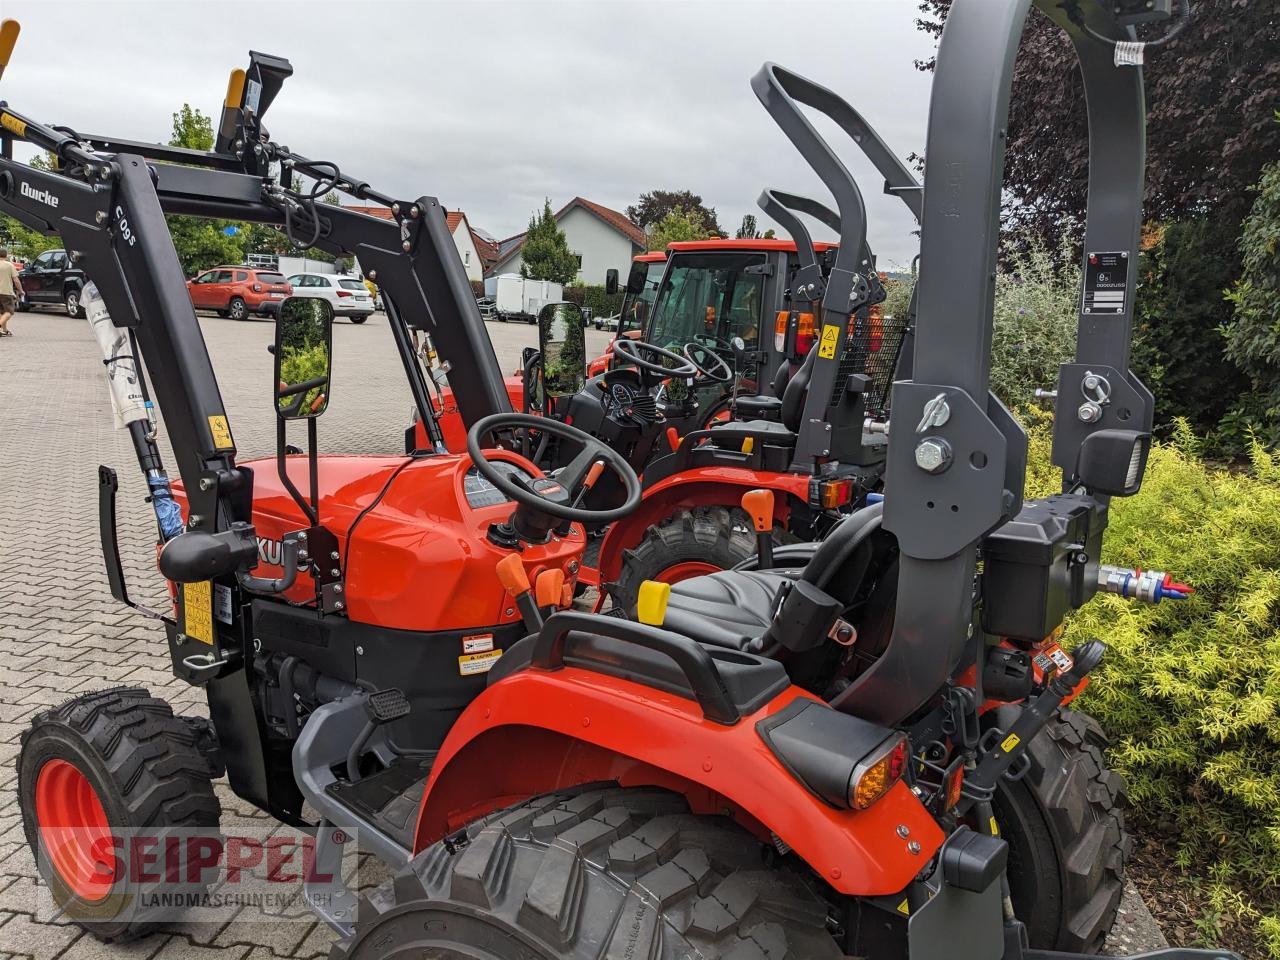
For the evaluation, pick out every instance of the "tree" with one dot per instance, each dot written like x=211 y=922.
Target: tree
x=1253 y=335
x=656 y=204
x=22 y=242
x=545 y=254
x=748 y=231
x=679 y=225
x=1210 y=94
x=201 y=243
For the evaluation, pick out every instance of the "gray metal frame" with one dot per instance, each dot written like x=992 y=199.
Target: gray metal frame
x=956 y=457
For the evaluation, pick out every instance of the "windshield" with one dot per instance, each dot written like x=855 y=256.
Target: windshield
x=709 y=296
x=270 y=277
x=635 y=312
x=352 y=285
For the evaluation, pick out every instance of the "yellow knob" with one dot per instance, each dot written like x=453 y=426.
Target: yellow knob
x=651 y=604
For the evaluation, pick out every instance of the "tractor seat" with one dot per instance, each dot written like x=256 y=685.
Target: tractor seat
x=759 y=408
x=731 y=609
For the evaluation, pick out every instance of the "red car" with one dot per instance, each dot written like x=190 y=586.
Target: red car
x=236 y=292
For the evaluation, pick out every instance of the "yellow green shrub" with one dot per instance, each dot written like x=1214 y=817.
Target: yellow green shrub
x=1190 y=691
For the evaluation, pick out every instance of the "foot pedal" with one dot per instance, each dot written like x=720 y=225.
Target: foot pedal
x=387 y=705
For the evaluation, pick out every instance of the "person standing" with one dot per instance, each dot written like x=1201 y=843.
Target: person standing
x=10 y=291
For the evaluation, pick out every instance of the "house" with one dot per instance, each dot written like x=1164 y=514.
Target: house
x=602 y=238
x=473 y=249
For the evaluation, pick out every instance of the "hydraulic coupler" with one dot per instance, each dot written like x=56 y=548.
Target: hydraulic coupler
x=1148 y=586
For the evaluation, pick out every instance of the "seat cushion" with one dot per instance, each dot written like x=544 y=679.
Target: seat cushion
x=759 y=408
x=732 y=608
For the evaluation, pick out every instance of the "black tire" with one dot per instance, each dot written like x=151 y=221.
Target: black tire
x=719 y=536
x=71 y=300
x=1068 y=847
x=151 y=772
x=237 y=309
x=602 y=872
x=359 y=319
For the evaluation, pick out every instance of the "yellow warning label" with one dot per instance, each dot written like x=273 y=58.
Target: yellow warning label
x=1009 y=742
x=995 y=828
x=221 y=433
x=830 y=337
x=13 y=124
x=472 y=663
x=197 y=611
x=904 y=907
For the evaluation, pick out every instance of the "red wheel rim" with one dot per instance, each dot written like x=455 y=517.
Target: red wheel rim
x=74 y=830
x=683 y=571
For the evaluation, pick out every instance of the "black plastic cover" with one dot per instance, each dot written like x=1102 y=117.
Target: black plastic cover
x=820 y=746
x=805 y=617
x=973 y=861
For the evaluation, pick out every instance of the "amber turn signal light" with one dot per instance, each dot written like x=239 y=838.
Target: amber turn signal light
x=877 y=772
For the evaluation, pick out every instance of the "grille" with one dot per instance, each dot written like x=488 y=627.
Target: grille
x=871 y=347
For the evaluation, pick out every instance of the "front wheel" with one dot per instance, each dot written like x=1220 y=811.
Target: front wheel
x=692 y=543
x=71 y=300
x=1064 y=823
x=596 y=872
x=96 y=771
x=237 y=309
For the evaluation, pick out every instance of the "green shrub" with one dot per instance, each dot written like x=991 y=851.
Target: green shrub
x=1190 y=691
x=593 y=296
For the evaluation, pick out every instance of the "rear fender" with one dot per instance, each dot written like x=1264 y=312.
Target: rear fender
x=538 y=731
x=696 y=487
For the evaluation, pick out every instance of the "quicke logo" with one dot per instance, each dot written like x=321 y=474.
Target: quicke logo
x=44 y=196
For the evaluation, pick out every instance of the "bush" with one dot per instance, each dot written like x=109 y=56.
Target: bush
x=593 y=297
x=477 y=288
x=1190 y=691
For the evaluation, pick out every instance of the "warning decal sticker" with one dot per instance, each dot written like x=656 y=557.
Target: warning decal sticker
x=830 y=337
x=1106 y=281
x=473 y=663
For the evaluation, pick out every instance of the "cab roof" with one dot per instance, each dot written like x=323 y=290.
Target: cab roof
x=706 y=246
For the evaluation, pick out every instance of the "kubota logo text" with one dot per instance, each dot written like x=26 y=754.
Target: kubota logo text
x=270 y=551
x=44 y=196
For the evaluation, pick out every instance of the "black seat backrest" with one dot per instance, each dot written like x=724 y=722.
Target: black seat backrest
x=797 y=389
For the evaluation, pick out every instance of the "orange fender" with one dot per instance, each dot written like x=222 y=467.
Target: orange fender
x=538 y=731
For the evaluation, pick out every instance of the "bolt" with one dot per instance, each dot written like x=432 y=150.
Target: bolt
x=1089 y=412
x=206 y=483
x=195 y=520
x=335 y=572
x=903 y=831
x=510 y=611
x=933 y=455
x=914 y=848
x=338 y=605
x=302 y=535
x=359 y=651
x=333 y=555
x=302 y=555
x=1091 y=381
x=395 y=208
x=969 y=632
x=414 y=211
x=405 y=246
x=337 y=588
x=100 y=216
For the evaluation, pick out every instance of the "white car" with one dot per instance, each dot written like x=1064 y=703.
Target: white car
x=349 y=296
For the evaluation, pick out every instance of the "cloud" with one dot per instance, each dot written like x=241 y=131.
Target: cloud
x=492 y=106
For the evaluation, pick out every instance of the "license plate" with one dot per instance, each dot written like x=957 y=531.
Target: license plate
x=276 y=296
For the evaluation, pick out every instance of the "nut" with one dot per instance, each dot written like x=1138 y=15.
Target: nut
x=933 y=455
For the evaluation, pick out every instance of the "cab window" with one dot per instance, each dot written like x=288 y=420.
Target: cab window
x=714 y=296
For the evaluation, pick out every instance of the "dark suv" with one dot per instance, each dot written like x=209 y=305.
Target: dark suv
x=53 y=279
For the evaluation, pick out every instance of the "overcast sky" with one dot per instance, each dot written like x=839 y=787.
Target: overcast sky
x=491 y=106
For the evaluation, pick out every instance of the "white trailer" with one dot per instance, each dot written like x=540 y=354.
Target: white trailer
x=518 y=298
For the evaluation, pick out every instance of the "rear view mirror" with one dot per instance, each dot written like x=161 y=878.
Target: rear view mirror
x=563 y=348
x=303 y=351
x=1113 y=461
x=611 y=281
x=637 y=278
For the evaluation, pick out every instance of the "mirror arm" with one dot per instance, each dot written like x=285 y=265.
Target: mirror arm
x=289 y=548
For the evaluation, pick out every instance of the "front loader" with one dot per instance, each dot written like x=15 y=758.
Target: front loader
x=857 y=772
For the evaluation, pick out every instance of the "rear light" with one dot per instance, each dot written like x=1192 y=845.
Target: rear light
x=344 y=293
x=780 y=330
x=806 y=333
x=834 y=493
x=257 y=288
x=953 y=785
x=877 y=772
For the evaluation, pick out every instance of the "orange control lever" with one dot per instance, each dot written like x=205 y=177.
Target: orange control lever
x=512 y=575
x=549 y=588
x=759 y=507
x=593 y=475
x=673 y=439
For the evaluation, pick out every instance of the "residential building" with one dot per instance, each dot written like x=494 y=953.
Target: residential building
x=473 y=249
x=603 y=239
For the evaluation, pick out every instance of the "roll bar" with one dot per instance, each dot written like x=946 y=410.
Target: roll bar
x=940 y=516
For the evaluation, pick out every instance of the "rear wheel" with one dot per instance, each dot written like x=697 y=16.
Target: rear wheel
x=237 y=309
x=692 y=543
x=71 y=300
x=359 y=319
x=97 y=770
x=1067 y=841
x=603 y=872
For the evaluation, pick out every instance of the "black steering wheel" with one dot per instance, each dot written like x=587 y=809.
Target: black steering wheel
x=299 y=391
x=546 y=500
x=715 y=371
x=629 y=350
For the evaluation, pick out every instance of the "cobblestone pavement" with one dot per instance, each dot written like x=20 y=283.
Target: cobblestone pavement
x=61 y=633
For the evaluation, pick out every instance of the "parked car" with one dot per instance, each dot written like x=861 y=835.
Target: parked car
x=607 y=323
x=236 y=292
x=52 y=279
x=488 y=308
x=348 y=294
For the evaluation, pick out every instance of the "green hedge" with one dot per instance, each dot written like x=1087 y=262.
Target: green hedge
x=1190 y=691
x=594 y=297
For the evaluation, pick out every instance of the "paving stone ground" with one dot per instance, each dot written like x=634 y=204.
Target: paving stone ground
x=61 y=633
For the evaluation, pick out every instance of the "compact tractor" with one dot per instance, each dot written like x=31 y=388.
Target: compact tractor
x=861 y=747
